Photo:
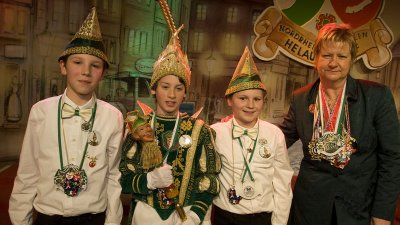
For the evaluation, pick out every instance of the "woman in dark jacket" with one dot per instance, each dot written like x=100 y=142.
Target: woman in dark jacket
x=350 y=174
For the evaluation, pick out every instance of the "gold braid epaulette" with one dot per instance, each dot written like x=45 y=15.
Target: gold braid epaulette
x=189 y=160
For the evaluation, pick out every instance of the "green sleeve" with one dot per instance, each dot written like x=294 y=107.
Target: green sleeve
x=207 y=184
x=133 y=177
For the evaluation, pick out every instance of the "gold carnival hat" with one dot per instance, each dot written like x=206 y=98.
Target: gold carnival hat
x=246 y=75
x=172 y=61
x=87 y=40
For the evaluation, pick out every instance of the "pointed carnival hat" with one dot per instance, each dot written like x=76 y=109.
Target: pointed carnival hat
x=172 y=61
x=87 y=40
x=246 y=75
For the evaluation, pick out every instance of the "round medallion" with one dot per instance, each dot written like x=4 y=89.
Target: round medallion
x=330 y=144
x=248 y=190
x=185 y=141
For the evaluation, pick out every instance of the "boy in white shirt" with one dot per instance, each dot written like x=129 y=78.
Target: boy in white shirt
x=68 y=168
x=256 y=173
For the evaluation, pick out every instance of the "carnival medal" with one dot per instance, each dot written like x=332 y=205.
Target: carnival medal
x=233 y=198
x=93 y=161
x=86 y=126
x=248 y=190
x=185 y=141
x=265 y=151
x=71 y=179
x=94 y=138
x=164 y=200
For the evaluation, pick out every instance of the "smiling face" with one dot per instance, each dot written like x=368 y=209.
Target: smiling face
x=333 y=63
x=246 y=106
x=84 y=72
x=170 y=93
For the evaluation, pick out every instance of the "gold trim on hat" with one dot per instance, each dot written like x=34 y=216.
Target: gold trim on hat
x=245 y=86
x=172 y=61
x=88 y=39
x=90 y=28
x=246 y=68
x=85 y=50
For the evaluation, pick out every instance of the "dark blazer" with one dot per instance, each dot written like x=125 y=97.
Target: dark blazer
x=370 y=183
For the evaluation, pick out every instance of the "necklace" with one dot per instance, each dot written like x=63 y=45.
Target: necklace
x=247 y=188
x=231 y=193
x=332 y=140
x=71 y=178
x=331 y=110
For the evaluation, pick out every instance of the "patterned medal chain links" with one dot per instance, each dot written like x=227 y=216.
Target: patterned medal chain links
x=331 y=110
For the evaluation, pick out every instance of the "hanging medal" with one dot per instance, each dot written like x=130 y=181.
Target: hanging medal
x=247 y=188
x=86 y=126
x=93 y=161
x=94 y=138
x=233 y=198
x=71 y=178
x=163 y=199
x=265 y=150
x=185 y=141
x=331 y=138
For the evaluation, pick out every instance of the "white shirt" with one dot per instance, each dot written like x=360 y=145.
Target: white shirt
x=272 y=174
x=40 y=159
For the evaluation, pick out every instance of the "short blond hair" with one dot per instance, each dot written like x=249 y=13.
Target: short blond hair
x=336 y=32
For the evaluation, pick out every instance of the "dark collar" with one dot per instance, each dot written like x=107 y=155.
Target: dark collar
x=351 y=90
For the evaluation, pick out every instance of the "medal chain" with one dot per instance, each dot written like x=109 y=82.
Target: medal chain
x=61 y=128
x=332 y=110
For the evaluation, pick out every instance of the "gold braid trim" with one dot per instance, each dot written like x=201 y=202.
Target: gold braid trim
x=189 y=160
x=150 y=200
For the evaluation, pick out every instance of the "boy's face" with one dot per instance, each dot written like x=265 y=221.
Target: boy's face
x=246 y=106
x=170 y=93
x=84 y=72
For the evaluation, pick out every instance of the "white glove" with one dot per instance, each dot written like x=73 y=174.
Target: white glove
x=192 y=219
x=160 y=177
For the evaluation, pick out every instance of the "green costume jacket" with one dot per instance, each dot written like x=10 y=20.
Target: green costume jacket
x=195 y=168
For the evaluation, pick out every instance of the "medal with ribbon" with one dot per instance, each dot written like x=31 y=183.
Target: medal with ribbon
x=246 y=187
x=71 y=178
x=331 y=138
